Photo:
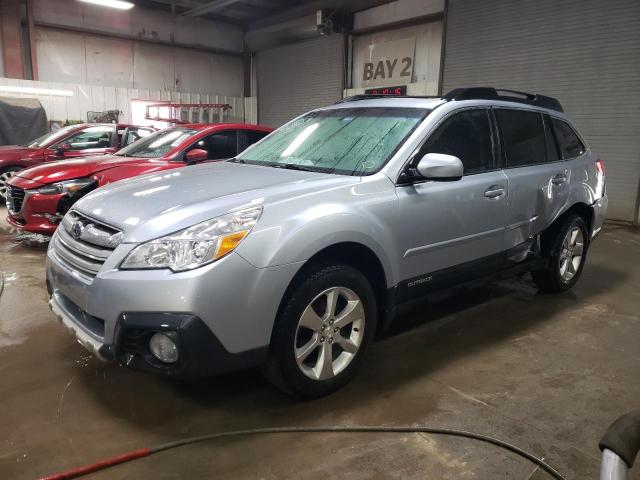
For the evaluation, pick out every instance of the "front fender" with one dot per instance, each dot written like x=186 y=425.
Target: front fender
x=297 y=242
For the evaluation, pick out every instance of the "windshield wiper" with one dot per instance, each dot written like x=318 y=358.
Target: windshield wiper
x=237 y=160
x=293 y=166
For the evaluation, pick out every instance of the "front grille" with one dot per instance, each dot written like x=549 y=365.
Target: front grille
x=15 y=199
x=84 y=244
x=93 y=324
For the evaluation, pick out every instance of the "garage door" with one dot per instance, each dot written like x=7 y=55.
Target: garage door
x=299 y=77
x=584 y=52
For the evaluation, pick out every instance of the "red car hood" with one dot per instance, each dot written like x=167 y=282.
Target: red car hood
x=15 y=152
x=85 y=167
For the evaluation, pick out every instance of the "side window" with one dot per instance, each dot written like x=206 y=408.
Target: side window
x=467 y=135
x=570 y=144
x=92 y=137
x=249 y=137
x=553 y=154
x=219 y=145
x=134 y=134
x=523 y=137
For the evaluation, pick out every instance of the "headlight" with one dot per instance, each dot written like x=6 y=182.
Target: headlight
x=67 y=186
x=195 y=246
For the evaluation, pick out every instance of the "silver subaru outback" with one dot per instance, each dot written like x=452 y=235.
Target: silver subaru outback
x=293 y=254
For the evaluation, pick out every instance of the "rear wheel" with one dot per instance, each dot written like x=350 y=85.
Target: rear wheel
x=324 y=328
x=5 y=175
x=567 y=256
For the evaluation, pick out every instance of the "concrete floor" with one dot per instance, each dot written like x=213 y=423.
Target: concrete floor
x=548 y=373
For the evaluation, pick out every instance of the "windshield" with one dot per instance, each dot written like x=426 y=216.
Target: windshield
x=50 y=137
x=157 y=144
x=349 y=141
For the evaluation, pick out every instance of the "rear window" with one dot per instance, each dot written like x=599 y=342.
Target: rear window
x=523 y=137
x=568 y=140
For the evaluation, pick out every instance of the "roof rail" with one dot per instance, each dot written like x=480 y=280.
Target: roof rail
x=364 y=96
x=490 y=93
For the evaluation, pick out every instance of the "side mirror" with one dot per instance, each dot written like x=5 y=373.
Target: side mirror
x=196 y=155
x=440 y=167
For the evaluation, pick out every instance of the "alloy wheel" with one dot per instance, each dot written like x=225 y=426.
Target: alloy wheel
x=4 y=178
x=329 y=334
x=571 y=253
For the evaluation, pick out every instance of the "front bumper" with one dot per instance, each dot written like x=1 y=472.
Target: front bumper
x=39 y=213
x=200 y=352
x=222 y=314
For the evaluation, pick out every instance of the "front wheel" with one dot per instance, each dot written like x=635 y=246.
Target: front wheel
x=568 y=253
x=325 y=326
x=5 y=176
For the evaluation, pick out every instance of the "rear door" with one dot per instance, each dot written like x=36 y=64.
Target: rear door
x=538 y=177
x=454 y=230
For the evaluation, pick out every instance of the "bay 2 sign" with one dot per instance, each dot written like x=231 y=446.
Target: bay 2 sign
x=389 y=63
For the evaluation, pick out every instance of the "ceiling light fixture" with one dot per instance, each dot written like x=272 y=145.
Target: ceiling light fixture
x=36 y=91
x=119 y=4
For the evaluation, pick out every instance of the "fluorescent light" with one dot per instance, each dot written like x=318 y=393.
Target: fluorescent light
x=36 y=91
x=119 y=4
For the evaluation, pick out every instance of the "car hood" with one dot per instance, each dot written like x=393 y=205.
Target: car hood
x=15 y=152
x=154 y=205
x=52 y=172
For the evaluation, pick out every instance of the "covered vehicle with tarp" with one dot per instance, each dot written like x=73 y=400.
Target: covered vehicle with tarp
x=21 y=120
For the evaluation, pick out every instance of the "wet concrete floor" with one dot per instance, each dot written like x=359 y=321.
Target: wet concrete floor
x=548 y=373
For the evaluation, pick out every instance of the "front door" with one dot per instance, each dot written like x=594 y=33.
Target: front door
x=453 y=230
x=95 y=140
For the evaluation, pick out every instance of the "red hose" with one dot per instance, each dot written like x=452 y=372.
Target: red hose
x=101 y=465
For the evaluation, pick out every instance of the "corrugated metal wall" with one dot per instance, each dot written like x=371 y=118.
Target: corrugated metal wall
x=299 y=77
x=584 y=52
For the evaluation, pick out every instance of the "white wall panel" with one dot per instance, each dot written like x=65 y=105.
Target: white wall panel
x=141 y=23
x=108 y=61
x=72 y=57
x=100 y=98
x=61 y=56
x=153 y=67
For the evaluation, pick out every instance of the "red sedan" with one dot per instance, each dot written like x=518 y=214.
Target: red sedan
x=38 y=197
x=74 y=141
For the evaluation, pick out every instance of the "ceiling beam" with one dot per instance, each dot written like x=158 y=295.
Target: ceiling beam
x=209 y=7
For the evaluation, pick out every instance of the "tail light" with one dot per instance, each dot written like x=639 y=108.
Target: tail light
x=600 y=187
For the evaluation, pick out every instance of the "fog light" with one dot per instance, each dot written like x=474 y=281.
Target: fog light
x=163 y=348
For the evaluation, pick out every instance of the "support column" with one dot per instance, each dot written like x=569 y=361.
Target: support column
x=11 y=31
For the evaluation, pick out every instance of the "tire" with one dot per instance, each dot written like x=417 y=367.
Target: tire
x=568 y=245
x=305 y=334
x=5 y=175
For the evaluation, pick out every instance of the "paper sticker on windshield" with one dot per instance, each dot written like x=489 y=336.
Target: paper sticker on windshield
x=368 y=165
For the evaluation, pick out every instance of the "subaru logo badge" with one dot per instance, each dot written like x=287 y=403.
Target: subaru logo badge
x=76 y=229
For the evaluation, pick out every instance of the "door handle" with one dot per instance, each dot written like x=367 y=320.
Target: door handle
x=559 y=179
x=494 y=191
